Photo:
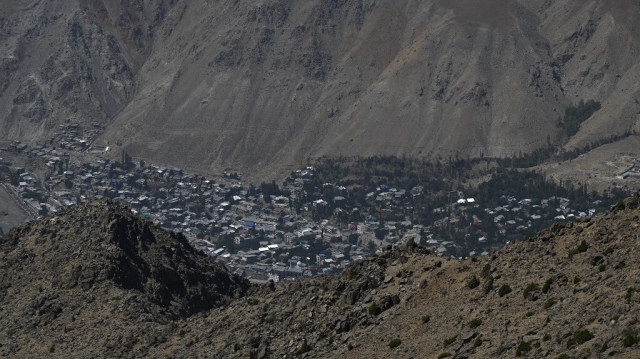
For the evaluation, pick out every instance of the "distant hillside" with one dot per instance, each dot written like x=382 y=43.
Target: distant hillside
x=93 y=281
x=261 y=86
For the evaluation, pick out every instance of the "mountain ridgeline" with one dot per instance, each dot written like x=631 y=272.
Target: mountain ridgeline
x=96 y=274
x=94 y=281
x=265 y=85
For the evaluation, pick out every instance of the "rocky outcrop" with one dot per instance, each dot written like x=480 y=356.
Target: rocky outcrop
x=97 y=264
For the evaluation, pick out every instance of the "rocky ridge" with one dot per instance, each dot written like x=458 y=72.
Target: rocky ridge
x=88 y=281
x=532 y=299
x=571 y=291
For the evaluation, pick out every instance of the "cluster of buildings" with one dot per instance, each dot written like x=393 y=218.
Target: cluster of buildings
x=48 y=154
x=267 y=240
x=631 y=171
x=302 y=228
x=73 y=137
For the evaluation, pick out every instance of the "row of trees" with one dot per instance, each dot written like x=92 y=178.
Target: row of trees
x=575 y=115
x=450 y=177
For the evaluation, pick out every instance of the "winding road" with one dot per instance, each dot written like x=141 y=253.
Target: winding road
x=13 y=193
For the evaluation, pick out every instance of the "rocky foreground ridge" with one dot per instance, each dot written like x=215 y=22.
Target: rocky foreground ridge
x=91 y=279
x=75 y=284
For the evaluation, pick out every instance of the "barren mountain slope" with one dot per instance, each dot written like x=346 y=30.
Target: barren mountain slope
x=262 y=86
x=572 y=289
x=276 y=82
x=93 y=281
x=70 y=61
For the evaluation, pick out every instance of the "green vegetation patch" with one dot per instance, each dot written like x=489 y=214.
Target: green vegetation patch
x=394 y=343
x=374 y=309
x=549 y=303
x=630 y=338
x=475 y=323
x=504 y=290
x=579 y=337
x=486 y=271
x=629 y=296
x=575 y=115
x=305 y=347
x=581 y=248
x=450 y=340
x=619 y=206
x=473 y=282
x=522 y=348
x=529 y=290
x=604 y=347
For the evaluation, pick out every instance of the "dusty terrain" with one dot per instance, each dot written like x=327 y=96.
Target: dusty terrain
x=599 y=168
x=262 y=86
x=95 y=281
x=90 y=280
x=11 y=215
